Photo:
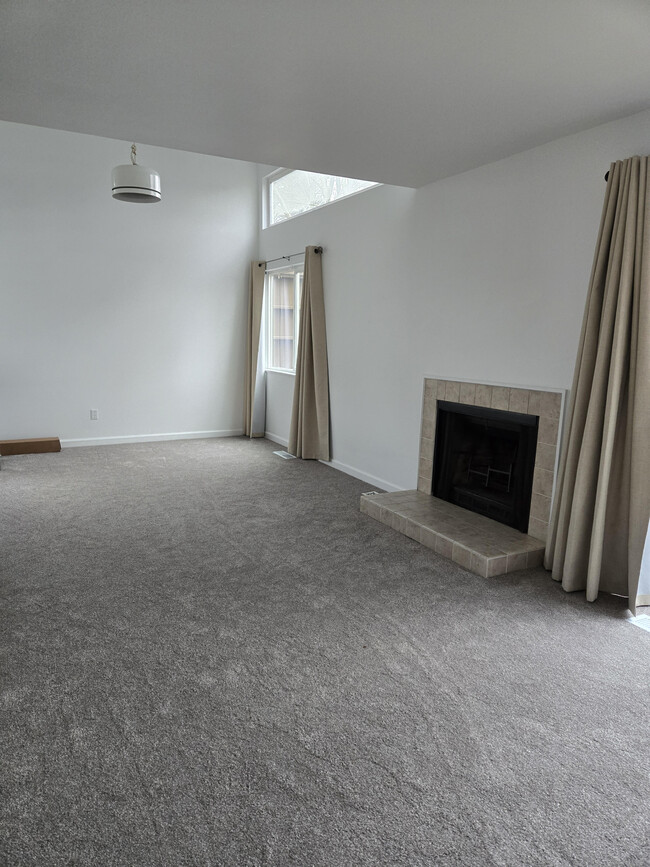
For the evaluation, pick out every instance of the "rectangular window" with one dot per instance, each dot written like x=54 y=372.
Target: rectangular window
x=289 y=193
x=283 y=292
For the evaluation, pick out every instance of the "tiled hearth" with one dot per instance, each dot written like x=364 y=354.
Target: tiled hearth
x=480 y=544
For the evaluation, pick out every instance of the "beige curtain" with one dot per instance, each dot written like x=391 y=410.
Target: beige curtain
x=254 y=397
x=602 y=503
x=309 y=435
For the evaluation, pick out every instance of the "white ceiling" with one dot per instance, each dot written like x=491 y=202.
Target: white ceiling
x=399 y=91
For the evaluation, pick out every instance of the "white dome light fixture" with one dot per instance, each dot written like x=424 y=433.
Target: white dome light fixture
x=133 y=183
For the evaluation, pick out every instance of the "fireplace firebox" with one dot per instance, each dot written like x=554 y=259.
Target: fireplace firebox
x=484 y=461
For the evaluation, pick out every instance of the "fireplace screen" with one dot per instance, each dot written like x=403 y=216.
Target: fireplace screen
x=484 y=461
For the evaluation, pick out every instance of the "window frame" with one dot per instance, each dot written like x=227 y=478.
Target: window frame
x=277 y=174
x=266 y=195
x=298 y=268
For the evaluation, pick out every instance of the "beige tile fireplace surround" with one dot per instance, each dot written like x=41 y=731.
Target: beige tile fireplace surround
x=480 y=544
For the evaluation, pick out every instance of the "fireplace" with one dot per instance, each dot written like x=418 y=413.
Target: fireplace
x=495 y=449
x=545 y=406
x=484 y=461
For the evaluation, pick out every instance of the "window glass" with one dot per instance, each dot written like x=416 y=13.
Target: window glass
x=293 y=193
x=283 y=294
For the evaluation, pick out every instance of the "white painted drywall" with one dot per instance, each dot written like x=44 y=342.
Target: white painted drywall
x=279 y=398
x=482 y=277
x=135 y=310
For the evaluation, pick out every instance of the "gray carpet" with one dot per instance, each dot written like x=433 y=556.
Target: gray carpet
x=210 y=657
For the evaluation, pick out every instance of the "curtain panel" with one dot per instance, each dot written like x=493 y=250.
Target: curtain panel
x=602 y=503
x=254 y=389
x=309 y=434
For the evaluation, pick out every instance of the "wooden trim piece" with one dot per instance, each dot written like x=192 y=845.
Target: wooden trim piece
x=30 y=447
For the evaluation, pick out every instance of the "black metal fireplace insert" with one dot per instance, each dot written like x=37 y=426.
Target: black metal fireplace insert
x=484 y=461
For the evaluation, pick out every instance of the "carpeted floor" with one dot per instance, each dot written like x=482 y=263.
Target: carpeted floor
x=211 y=657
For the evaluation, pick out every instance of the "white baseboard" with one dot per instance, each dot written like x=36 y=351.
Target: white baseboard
x=344 y=468
x=211 y=434
x=151 y=438
x=276 y=439
x=360 y=474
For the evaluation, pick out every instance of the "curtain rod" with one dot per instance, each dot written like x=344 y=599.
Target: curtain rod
x=289 y=257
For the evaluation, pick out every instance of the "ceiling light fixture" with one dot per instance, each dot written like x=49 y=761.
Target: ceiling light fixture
x=133 y=183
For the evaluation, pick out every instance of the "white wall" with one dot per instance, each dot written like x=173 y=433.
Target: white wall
x=482 y=276
x=279 y=398
x=136 y=310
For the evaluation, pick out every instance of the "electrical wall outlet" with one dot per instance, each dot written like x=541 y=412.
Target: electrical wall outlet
x=94 y=414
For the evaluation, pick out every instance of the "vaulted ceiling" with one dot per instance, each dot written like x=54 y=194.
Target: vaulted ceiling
x=399 y=91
